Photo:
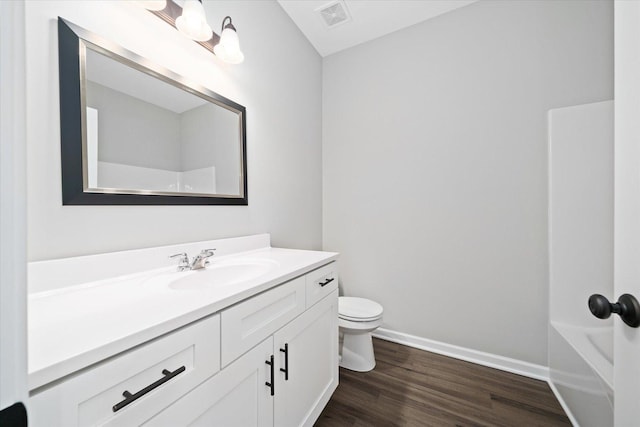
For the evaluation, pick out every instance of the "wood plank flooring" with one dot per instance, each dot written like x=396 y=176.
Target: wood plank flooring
x=411 y=387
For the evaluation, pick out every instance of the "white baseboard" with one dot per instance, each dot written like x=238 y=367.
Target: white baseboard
x=514 y=366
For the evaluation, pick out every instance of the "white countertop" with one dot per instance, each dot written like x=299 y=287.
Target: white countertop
x=73 y=327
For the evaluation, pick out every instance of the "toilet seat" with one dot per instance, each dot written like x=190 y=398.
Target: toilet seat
x=359 y=309
x=359 y=319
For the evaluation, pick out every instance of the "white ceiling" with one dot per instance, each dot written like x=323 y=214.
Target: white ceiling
x=370 y=19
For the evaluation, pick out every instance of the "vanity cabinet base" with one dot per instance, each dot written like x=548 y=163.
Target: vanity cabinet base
x=268 y=360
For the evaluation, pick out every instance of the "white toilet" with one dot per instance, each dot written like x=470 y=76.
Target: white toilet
x=358 y=317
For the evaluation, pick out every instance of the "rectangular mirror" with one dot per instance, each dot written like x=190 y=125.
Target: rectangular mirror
x=135 y=133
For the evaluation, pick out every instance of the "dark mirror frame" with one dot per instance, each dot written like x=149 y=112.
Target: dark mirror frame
x=72 y=125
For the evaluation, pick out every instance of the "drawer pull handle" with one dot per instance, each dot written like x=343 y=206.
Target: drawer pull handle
x=270 y=384
x=326 y=282
x=285 y=350
x=130 y=398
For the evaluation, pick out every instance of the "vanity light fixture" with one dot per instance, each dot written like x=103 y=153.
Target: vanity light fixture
x=192 y=22
x=228 y=49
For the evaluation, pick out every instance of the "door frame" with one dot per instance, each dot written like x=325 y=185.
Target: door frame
x=13 y=264
x=627 y=206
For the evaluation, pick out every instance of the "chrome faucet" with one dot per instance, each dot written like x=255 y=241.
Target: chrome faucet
x=184 y=261
x=201 y=260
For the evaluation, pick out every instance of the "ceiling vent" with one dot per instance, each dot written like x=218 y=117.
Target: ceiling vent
x=334 y=13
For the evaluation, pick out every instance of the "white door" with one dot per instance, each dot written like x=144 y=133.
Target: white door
x=307 y=364
x=627 y=207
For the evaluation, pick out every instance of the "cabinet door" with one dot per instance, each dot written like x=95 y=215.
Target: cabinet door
x=311 y=344
x=236 y=396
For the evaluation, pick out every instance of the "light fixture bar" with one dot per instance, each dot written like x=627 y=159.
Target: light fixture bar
x=169 y=15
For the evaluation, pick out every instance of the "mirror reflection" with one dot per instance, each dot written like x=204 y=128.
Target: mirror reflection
x=146 y=135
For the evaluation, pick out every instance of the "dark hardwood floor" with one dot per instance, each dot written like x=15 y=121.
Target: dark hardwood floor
x=411 y=387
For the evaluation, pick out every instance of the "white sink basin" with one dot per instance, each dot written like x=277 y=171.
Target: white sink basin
x=217 y=274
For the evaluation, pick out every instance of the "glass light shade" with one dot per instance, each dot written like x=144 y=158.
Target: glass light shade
x=153 y=4
x=228 y=49
x=193 y=22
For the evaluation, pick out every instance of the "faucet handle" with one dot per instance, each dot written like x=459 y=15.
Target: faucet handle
x=182 y=254
x=184 y=261
x=207 y=252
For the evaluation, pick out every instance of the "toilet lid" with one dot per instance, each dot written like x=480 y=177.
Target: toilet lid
x=358 y=309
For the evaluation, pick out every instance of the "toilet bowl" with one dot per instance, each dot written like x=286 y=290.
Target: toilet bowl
x=357 y=318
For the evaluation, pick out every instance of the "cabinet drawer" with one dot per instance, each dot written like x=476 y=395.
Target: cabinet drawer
x=249 y=322
x=156 y=374
x=321 y=282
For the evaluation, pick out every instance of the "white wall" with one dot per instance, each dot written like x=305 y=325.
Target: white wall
x=435 y=170
x=279 y=83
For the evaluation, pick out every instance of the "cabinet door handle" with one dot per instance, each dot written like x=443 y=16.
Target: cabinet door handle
x=270 y=384
x=130 y=398
x=285 y=350
x=326 y=282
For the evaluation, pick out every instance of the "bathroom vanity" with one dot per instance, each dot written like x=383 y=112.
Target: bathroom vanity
x=252 y=339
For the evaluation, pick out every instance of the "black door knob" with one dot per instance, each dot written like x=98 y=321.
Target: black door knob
x=627 y=308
